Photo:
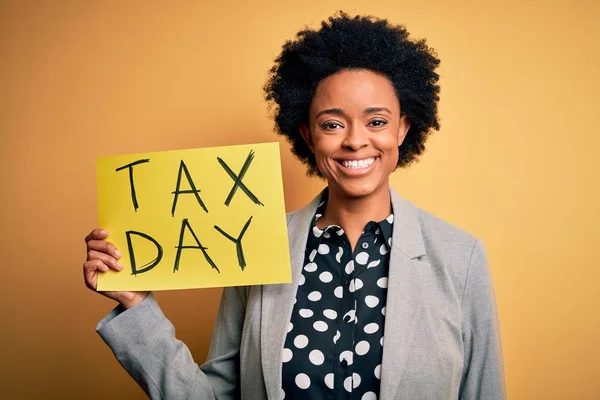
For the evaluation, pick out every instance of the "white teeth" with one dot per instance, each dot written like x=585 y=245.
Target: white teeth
x=358 y=163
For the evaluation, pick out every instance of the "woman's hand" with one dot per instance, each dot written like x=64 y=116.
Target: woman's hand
x=102 y=256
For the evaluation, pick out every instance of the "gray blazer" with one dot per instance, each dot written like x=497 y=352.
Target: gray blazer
x=442 y=339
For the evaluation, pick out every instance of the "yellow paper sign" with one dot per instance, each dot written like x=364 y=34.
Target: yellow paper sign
x=195 y=218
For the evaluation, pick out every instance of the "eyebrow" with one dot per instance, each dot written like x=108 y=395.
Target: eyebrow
x=372 y=110
x=339 y=111
x=334 y=111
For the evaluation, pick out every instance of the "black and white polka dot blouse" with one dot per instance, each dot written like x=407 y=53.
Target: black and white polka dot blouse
x=334 y=345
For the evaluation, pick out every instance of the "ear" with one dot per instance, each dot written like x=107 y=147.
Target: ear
x=403 y=129
x=305 y=132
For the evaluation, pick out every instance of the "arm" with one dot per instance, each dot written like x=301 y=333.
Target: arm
x=143 y=341
x=483 y=374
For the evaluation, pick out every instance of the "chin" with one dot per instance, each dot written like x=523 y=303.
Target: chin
x=358 y=190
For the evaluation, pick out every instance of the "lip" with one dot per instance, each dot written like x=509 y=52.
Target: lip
x=355 y=172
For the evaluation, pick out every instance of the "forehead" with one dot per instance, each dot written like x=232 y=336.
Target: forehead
x=353 y=90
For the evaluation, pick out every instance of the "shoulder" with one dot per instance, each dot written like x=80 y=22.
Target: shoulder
x=445 y=247
x=453 y=253
x=439 y=234
x=293 y=216
x=447 y=244
x=419 y=232
x=301 y=216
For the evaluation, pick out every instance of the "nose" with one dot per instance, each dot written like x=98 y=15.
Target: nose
x=356 y=138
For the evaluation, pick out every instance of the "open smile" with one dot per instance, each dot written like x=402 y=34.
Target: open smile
x=356 y=166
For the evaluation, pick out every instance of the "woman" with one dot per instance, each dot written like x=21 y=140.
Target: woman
x=387 y=301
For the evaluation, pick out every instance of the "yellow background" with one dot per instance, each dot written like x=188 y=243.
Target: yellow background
x=516 y=163
x=264 y=243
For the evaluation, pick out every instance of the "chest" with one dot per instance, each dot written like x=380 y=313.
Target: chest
x=421 y=343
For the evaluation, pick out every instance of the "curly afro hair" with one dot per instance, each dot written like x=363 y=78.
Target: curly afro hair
x=345 y=43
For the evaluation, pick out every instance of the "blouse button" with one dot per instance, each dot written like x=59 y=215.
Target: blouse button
x=365 y=245
x=347 y=318
x=344 y=363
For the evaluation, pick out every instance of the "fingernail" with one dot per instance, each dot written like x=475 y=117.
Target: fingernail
x=103 y=232
x=119 y=265
x=117 y=254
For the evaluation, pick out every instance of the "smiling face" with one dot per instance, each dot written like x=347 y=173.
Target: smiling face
x=355 y=129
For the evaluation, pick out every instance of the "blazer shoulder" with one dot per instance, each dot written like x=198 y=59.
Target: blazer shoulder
x=301 y=215
x=291 y=215
x=292 y=218
x=435 y=226
x=450 y=252
x=446 y=242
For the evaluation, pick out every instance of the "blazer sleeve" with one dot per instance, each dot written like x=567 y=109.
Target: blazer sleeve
x=143 y=341
x=483 y=373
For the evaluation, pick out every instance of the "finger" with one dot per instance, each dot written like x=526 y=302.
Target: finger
x=106 y=259
x=90 y=278
x=90 y=273
x=92 y=266
x=105 y=247
x=97 y=234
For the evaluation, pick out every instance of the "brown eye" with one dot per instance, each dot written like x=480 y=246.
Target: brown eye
x=328 y=126
x=377 y=123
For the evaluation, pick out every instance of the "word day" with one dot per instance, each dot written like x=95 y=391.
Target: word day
x=136 y=167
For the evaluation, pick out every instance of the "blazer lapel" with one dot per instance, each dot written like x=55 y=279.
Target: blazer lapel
x=278 y=301
x=405 y=294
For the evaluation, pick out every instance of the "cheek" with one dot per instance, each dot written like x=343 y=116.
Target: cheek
x=388 y=144
x=394 y=155
x=323 y=151
x=324 y=147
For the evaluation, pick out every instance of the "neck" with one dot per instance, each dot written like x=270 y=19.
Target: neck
x=353 y=213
